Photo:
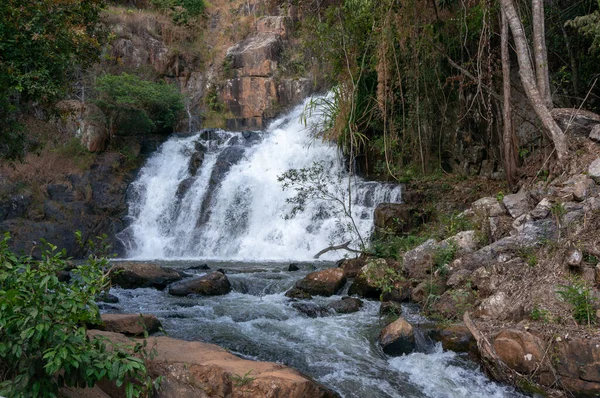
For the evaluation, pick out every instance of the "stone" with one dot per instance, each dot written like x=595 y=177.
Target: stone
x=575 y=121
x=595 y=133
x=201 y=370
x=133 y=275
x=293 y=267
x=579 y=186
x=398 y=218
x=541 y=210
x=390 y=308
x=458 y=278
x=346 y=305
x=517 y=204
x=574 y=257
x=196 y=161
x=312 y=310
x=297 y=294
x=213 y=284
x=199 y=267
x=487 y=168
x=130 y=324
x=454 y=337
x=397 y=338
x=453 y=303
x=494 y=307
x=107 y=298
x=465 y=241
x=418 y=261
x=489 y=207
x=519 y=350
x=367 y=282
x=75 y=392
x=594 y=171
x=352 y=266
x=323 y=283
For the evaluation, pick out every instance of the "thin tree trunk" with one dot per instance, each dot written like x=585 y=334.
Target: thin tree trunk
x=529 y=82
x=540 y=52
x=574 y=68
x=510 y=158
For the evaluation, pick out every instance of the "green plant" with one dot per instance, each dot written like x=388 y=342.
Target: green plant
x=382 y=276
x=241 y=381
x=388 y=245
x=136 y=106
x=540 y=314
x=444 y=254
x=455 y=223
x=529 y=255
x=580 y=297
x=500 y=196
x=43 y=339
x=180 y=11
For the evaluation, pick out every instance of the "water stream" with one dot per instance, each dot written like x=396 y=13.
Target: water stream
x=214 y=196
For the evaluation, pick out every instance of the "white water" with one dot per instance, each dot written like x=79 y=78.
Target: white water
x=245 y=216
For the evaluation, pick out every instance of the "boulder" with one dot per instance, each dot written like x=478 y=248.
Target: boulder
x=397 y=338
x=574 y=257
x=595 y=133
x=390 y=308
x=297 y=294
x=293 y=267
x=201 y=370
x=495 y=307
x=132 y=275
x=323 y=283
x=489 y=207
x=398 y=218
x=418 y=261
x=130 y=324
x=312 y=310
x=594 y=170
x=578 y=186
x=578 y=364
x=575 y=121
x=213 y=284
x=517 y=204
x=368 y=282
x=346 y=305
x=519 y=350
x=454 y=337
x=541 y=210
x=458 y=278
x=453 y=303
x=352 y=266
x=196 y=161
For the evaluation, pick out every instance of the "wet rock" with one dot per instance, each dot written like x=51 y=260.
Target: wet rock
x=298 y=294
x=130 y=324
x=107 y=298
x=455 y=337
x=199 y=267
x=323 y=283
x=519 y=350
x=400 y=292
x=184 y=187
x=397 y=338
x=133 y=275
x=186 y=365
x=312 y=310
x=196 y=161
x=346 y=305
x=517 y=204
x=293 y=267
x=352 y=266
x=390 y=308
x=398 y=217
x=489 y=207
x=213 y=284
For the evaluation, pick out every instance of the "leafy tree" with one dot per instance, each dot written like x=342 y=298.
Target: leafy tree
x=43 y=340
x=137 y=106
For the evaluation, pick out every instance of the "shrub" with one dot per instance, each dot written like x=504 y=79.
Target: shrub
x=136 y=106
x=181 y=11
x=581 y=299
x=43 y=340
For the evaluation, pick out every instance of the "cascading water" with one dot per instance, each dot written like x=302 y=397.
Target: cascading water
x=233 y=207
x=215 y=195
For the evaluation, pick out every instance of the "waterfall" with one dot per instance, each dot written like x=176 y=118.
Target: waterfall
x=215 y=195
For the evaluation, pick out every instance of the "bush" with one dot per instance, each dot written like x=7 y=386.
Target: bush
x=43 y=340
x=581 y=299
x=181 y=11
x=136 y=106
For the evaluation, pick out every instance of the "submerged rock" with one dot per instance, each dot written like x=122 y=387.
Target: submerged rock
x=132 y=275
x=213 y=284
x=397 y=338
x=323 y=283
x=312 y=310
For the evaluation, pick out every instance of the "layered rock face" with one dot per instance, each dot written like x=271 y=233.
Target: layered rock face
x=256 y=93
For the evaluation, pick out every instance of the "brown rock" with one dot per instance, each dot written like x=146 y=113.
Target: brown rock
x=397 y=338
x=323 y=283
x=519 y=350
x=455 y=338
x=368 y=283
x=213 y=284
x=452 y=304
x=352 y=266
x=579 y=358
x=200 y=370
x=418 y=261
x=390 y=308
x=346 y=305
x=73 y=392
x=398 y=218
x=130 y=324
x=132 y=275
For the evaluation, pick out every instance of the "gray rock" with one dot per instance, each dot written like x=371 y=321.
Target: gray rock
x=541 y=210
x=132 y=275
x=574 y=257
x=489 y=207
x=346 y=305
x=213 y=284
x=595 y=133
x=417 y=262
x=494 y=307
x=458 y=277
x=517 y=204
x=594 y=170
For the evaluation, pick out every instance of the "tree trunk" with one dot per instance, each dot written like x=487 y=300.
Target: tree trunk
x=540 y=52
x=510 y=158
x=529 y=82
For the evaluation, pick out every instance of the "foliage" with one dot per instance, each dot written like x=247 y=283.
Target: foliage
x=317 y=183
x=540 y=314
x=43 y=341
x=581 y=298
x=529 y=255
x=138 y=106
x=181 y=11
x=392 y=246
x=382 y=276
x=241 y=381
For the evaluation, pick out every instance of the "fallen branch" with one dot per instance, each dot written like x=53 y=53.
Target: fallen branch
x=338 y=247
